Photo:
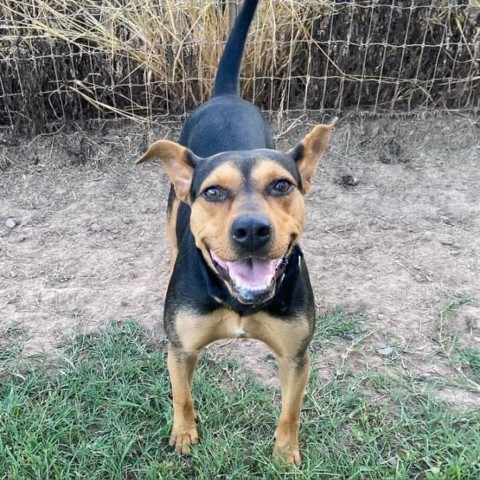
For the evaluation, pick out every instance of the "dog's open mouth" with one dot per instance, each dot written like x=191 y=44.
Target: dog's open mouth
x=251 y=280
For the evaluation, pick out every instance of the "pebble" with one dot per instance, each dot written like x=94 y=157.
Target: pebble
x=95 y=227
x=364 y=246
x=422 y=377
x=349 y=181
x=381 y=316
x=393 y=461
x=11 y=223
x=385 y=351
x=353 y=289
x=349 y=336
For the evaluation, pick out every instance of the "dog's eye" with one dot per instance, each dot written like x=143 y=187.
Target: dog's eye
x=281 y=187
x=214 y=194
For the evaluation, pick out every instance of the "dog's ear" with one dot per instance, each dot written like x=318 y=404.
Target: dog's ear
x=179 y=163
x=309 y=151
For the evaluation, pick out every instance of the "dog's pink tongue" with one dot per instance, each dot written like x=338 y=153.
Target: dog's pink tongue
x=253 y=272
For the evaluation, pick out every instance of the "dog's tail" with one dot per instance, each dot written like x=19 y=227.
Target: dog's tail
x=227 y=79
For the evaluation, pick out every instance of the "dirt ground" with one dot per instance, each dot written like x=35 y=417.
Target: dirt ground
x=393 y=231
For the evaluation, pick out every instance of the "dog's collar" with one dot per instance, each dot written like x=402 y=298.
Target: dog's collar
x=217 y=290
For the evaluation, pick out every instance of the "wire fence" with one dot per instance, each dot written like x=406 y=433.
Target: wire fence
x=63 y=62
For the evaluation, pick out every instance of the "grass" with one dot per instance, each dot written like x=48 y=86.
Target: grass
x=104 y=412
x=337 y=323
x=465 y=360
x=10 y=342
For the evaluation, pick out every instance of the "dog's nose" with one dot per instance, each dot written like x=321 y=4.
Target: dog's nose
x=251 y=232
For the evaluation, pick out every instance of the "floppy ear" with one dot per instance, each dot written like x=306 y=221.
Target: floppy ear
x=309 y=151
x=178 y=161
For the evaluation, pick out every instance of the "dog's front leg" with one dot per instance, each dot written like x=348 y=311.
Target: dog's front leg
x=181 y=366
x=294 y=373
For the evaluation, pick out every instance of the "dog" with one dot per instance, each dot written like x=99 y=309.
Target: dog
x=235 y=216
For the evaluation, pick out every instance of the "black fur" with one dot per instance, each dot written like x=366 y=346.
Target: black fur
x=228 y=128
x=227 y=122
x=226 y=81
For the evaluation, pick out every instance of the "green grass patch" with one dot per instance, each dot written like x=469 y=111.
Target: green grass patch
x=340 y=324
x=10 y=342
x=466 y=361
x=104 y=412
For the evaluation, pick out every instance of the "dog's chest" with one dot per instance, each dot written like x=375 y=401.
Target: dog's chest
x=196 y=331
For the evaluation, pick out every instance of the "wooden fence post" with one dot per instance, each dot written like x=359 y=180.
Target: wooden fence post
x=232 y=13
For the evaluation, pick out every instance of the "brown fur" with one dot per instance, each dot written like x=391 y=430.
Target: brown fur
x=171 y=232
x=314 y=146
x=175 y=158
x=287 y=339
x=211 y=222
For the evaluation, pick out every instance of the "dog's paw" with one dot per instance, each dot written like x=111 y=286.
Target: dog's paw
x=288 y=452
x=183 y=438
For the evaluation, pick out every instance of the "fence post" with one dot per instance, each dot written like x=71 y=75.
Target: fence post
x=232 y=13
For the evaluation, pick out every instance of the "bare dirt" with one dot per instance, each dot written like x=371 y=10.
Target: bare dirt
x=393 y=231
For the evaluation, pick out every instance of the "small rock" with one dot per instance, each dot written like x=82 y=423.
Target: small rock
x=95 y=227
x=422 y=377
x=349 y=336
x=381 y=316
x=353 y=289
x=384 y=158
x=368 y=276
x=385 y=351
x=127 y=221
x=393 y=461
x=11 y=223
x=361 y=247
x=348 y=181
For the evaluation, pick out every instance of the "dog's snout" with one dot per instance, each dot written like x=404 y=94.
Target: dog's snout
x=251 y=232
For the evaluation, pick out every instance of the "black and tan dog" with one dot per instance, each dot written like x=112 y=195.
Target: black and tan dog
x=235 y=218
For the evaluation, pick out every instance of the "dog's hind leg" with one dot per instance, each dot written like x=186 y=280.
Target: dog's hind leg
x=294 y=373
x=181 y=366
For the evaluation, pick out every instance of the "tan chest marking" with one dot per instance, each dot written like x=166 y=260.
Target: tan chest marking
x=282 y=336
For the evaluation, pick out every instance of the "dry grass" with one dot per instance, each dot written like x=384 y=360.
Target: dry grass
x=136 y=59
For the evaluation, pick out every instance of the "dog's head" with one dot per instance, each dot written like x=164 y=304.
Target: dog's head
x=248 y=208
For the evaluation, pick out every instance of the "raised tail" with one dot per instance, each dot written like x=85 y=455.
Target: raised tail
x=227 y=79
